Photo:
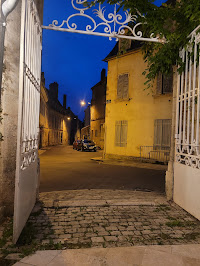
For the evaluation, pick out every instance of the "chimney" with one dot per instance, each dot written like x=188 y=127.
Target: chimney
x=103 y=74
x=53 y=90
x=65 y=101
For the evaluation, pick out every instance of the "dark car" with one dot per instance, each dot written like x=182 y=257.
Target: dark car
x=75 y=144
x=86 y=145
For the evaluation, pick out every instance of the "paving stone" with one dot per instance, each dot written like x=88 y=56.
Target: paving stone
x=97 y=239
x=111 y=228
x=103 y=233
x=111 y=238
x=115 y=233
x=14 y=256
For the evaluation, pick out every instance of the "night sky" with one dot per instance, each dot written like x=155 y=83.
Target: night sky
x=72 y=60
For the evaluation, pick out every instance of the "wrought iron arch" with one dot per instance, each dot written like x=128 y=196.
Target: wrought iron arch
x=114 y=24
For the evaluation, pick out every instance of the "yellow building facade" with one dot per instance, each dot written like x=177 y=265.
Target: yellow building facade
x=136 y=119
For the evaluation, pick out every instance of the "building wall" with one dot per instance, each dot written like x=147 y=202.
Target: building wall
x=85 y=133
x=140 y=110
x=87 y=116
x=98 y=113
x=54 y=126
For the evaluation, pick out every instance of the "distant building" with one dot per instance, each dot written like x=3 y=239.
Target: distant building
x=85 y=131
x=58 y=125
x=138 y=122
x=87 y=116
x=97 y=117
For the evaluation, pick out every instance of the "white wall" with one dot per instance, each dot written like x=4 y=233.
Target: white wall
x=187 y=188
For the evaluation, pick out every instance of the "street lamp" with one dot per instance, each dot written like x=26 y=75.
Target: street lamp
x=68 y=118
x=83 y=103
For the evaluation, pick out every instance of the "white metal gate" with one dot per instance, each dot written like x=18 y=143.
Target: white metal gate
x=27 y=164
x=187 y=163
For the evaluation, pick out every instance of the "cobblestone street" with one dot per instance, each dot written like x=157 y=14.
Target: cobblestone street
x=101 y=218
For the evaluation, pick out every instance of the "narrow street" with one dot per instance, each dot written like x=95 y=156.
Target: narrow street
x=63 y=168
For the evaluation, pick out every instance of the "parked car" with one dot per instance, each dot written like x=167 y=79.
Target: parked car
x=75 y=144
x=86 y=145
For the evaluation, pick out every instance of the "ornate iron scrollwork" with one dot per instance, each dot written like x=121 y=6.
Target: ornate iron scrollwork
x=114 y=24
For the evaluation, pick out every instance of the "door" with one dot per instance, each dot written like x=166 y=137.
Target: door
x=187 y=157
x=27 y=162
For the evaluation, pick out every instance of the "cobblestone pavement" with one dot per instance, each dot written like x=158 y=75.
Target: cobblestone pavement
x=112 y=219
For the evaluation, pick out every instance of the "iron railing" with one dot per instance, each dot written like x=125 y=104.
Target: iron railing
x=155 y=153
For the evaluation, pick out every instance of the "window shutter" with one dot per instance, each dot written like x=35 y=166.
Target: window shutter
x=117 y=133
x=124 y=130
x=125 y=86
x=158 y=133
x=122 y=86
x=159 y=83
x=166 y=132
x=168 y=83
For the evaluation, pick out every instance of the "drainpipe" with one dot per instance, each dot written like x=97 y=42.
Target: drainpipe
x=6 y=8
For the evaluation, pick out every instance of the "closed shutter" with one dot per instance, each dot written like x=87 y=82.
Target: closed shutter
x=168 y=83
x=159 y=83
x=121 y=129
x=117 y=133
x=166 y=133
x=123 y=86
x=158 y=133
x=162 y=133
x=124 y=129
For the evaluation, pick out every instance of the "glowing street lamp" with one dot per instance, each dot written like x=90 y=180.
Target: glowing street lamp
x=68 y=118
x=83 y=103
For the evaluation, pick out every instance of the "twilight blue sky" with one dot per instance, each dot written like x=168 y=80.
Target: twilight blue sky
x=72 y=60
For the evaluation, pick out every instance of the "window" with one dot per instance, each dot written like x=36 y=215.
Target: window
x=122 y=86
x=162 y=133
x=96 y=133
x=121 y=128
x=61 y=138
x=164 y=83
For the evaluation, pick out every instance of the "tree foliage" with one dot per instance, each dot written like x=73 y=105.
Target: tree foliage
x=174 y=21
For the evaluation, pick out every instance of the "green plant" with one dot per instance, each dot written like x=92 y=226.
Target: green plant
x=28 y=234
x=174 y=223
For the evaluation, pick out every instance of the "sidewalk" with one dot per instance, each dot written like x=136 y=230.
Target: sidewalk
x=186 y=255
x=131 y=163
